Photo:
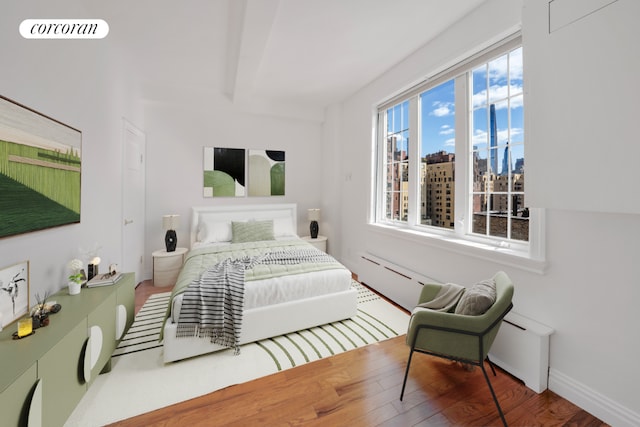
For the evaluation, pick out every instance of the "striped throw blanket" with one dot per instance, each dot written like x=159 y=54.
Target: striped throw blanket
x=212 y=304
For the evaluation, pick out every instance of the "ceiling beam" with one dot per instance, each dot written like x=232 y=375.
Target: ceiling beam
x=250 y=23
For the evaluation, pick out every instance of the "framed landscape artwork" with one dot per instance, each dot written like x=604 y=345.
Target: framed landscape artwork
x=14 y=292
x=40 y=165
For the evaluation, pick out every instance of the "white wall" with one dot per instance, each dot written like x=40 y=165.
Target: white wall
x=80 y=83
x=589 y=57
x=589 y=290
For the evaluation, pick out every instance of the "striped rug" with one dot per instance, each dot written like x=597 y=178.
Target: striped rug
x=287 y=350
x=308 y=345
x=140 y=381
x=145 y=331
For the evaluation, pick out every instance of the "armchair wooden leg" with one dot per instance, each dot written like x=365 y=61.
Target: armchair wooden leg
x=493 y=394
x=406 y=374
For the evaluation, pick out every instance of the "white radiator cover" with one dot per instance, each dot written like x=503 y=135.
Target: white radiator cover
x=399 y=284
x=520 y=348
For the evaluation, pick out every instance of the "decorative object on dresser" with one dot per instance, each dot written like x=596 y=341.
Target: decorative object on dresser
x=166 y=266
x=314 y=217
x=76 y=277
x=170 y=223
x=92 y=269
x=14 y=292
x=105 y=279
x=40 y=313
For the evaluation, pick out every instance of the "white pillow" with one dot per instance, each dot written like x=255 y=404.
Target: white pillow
x=214 y=231
x=283 y=227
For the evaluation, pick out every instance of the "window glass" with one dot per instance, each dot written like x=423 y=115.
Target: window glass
x=397 y=163
x=488 y=139
x=498 y=148
x=437 y=155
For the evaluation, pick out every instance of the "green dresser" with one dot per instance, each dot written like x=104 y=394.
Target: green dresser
x=45 y=375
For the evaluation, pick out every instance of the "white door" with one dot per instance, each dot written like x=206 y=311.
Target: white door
x=133 y=200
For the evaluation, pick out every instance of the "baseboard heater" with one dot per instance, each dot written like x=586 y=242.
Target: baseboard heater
x=521 y=347
x=399 y=284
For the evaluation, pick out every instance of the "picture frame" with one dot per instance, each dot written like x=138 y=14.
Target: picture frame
x=224 y=172
x=40 y=170
x=266 y=173
x=14 y=292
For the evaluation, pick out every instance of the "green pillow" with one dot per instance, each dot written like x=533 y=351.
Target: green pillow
x=251 y=231
x=477 y=299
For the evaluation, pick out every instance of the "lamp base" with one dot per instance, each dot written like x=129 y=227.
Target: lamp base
x=171 y=240
x=92 y=271
x=313 y=229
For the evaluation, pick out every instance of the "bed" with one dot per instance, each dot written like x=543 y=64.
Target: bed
x=278 y=299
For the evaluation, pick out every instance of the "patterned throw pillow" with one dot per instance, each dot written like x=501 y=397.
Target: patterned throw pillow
x=251 y=231
x=477 y=299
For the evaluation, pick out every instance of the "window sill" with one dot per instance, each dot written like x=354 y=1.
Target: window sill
x=497 y=254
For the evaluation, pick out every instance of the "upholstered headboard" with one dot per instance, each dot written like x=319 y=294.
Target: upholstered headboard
x=283 y=214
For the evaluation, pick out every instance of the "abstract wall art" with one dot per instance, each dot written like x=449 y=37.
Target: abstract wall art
x=266 y=173
x=224 y=172
x=40 y=165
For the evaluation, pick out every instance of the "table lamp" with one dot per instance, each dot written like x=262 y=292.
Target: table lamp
x=170 y=223
x=314 y=217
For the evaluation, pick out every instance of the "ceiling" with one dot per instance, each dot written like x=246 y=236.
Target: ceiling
x=292 y=52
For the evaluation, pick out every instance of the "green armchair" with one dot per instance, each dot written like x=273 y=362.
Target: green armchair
x=464 y=338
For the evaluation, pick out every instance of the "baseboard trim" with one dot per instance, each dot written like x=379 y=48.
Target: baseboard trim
x=591 y=401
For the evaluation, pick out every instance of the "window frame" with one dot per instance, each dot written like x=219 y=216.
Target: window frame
x=461 y=236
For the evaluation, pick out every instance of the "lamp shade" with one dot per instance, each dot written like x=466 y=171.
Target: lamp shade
x=314 y=214
x=170 y=222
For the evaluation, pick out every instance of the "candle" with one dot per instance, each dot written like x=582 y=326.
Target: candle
x=25 y=326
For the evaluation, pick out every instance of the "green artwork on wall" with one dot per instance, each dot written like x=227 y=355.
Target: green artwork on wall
x=224 y=172
x=266 y=173
x=40 y=165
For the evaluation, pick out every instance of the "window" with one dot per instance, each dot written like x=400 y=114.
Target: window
x=451 y=153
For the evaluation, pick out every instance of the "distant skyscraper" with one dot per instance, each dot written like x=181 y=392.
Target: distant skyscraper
x=506 y=166
x=493 y=129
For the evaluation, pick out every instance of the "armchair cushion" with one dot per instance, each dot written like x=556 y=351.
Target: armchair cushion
x=477 y=299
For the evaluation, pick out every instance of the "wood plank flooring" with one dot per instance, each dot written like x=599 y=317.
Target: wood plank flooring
x=362 y=388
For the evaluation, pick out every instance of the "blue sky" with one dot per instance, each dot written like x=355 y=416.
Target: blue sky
x=438 y=109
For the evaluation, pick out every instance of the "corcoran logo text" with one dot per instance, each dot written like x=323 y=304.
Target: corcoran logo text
x=64 y=29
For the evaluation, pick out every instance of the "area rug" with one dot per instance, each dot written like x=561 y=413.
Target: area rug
x=140 y=382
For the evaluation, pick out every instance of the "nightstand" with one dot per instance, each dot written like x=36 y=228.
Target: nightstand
x=320 y=242
x=167 y=265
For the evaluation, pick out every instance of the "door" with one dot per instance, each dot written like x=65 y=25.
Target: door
x=133 y=203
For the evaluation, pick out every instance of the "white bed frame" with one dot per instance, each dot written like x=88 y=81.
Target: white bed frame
x=262 y=322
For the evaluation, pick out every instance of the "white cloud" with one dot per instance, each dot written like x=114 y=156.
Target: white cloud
x=498 y=92
x=446 y=130
x=442 y=109
x=480 y=137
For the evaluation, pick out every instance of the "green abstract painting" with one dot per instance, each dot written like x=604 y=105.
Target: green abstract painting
x=266 y=173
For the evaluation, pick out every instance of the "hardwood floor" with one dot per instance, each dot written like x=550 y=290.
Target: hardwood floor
x=362 y=388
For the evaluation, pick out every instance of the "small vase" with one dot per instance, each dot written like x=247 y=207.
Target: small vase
x=74 y=288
